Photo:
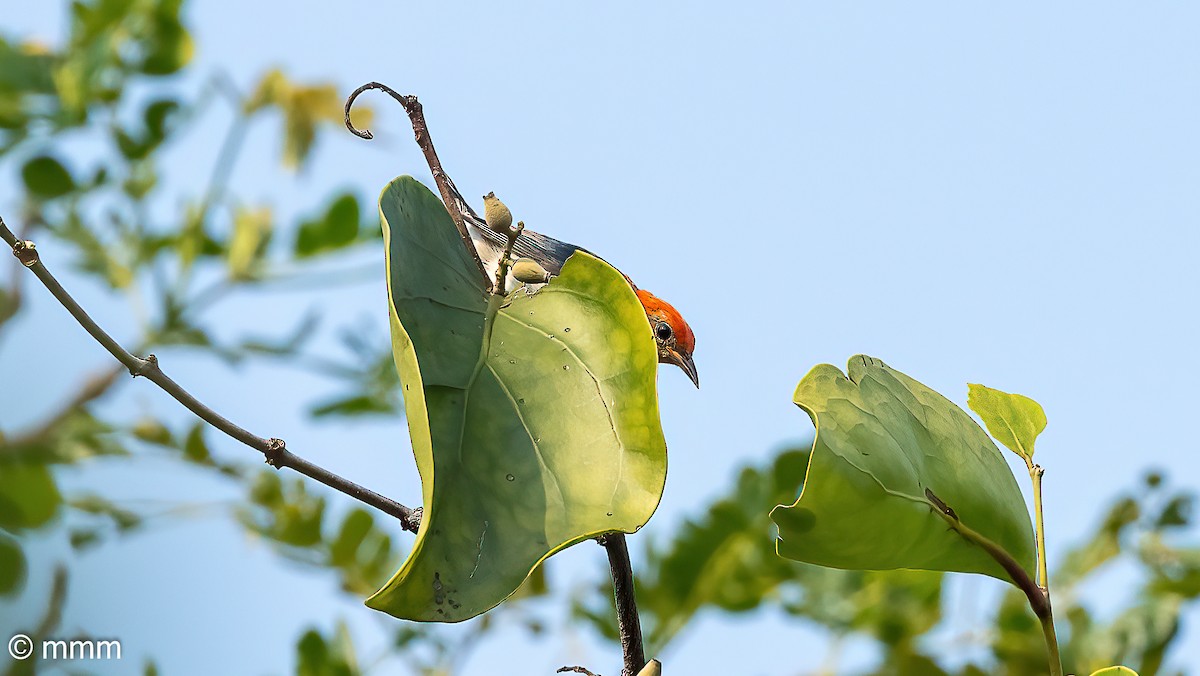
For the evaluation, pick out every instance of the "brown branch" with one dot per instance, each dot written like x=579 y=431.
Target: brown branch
x=451 y=197
x=628 y=623
x=1039 y=601
x=274 y=450
x=1038 y=597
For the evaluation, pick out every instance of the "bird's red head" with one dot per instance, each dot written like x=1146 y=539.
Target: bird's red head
x=675 y=339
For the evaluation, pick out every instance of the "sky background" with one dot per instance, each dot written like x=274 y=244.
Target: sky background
x=1003 y=195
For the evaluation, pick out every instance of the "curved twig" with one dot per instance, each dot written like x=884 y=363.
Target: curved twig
x=453 y=200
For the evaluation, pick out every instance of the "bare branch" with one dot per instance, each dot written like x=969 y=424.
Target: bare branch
x=628 y=622
x=274 y=450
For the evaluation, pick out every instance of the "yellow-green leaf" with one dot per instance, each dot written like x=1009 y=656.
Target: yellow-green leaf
x=891 y=458
x=251 y=231
x=1013 y=419
x=1115 y=671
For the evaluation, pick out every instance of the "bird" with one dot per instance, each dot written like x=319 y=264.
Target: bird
x=674 y=338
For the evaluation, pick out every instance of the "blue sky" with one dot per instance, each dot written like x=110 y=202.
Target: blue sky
x=994 y=194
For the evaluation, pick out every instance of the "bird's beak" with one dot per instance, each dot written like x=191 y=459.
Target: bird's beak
x=684 y=361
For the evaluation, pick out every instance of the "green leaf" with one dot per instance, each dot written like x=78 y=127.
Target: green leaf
x=355 y=405
x=534 y=418
x=1115 y=671
x=292 y=516
x=344 y=549
x=891 y=455
x=46 y=177
x=123 y=519
x=1013 y=419
x=169 y=47
x=318 y=657
x=12 y=566
x=28 y=495
x=152 y=431
x=195 y=449
x=336 y=228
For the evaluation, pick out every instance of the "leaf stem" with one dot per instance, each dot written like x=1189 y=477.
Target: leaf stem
x=1056 y=668
x=274 y=450
x=506 y=260
x=1035 y=475
x=628 y=623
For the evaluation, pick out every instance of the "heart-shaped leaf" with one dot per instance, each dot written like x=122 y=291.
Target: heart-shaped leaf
x=892 y=459
x=533 y=417
x=1013 y=419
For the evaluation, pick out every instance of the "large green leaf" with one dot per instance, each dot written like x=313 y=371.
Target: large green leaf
x=533 y=417
x=888 y=450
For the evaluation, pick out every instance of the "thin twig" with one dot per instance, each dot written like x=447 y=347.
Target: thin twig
x=575 y=670
x=455 y=204
x=628 y=623
x=274 y=450
x=506 y=259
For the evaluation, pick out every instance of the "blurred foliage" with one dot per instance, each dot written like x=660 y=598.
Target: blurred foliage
x=317 y=655
x=722 y=562
x=84 y=124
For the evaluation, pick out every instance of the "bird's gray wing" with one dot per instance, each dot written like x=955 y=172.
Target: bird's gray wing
x=550 y=253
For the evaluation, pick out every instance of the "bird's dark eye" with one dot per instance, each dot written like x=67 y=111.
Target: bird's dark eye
x=663 y=331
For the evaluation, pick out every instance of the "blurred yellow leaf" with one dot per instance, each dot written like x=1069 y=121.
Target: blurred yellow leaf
x=251 y=230
x=304 y=107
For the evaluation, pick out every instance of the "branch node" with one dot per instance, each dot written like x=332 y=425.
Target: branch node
x=412 y=522
x=144 y=366
x=945 y=509
x=274 y=453
x=26 y=252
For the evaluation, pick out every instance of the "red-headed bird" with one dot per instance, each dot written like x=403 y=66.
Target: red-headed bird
x=674 y=337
